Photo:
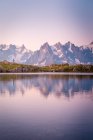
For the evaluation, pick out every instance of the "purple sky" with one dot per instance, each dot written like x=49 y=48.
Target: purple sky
x=33 y=22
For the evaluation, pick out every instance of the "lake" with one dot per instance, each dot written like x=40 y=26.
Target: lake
x=46 y=107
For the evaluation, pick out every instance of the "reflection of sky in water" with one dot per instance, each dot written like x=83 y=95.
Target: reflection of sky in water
x=66 y=113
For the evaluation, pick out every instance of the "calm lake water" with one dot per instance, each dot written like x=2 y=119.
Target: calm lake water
x=46 y=107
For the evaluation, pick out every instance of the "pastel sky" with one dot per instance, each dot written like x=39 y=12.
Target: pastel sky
x=33 y=22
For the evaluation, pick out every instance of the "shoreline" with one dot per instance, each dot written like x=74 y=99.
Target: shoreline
x=48 y=73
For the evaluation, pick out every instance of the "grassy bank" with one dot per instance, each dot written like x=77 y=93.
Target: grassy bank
x=14 y=67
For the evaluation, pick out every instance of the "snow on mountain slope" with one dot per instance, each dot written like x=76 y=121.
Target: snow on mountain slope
x=13 y=53
x=59 y=54
x=48 y=54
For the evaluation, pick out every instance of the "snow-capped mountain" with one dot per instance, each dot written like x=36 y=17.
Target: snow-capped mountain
x=59 y=54
x=48 y=54
x=13 y=53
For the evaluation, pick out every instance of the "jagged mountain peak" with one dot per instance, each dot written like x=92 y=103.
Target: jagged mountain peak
x=48 y=54
x=12 y=46
x=23 y=46
x=91 y=43
x=69 y=43
x=45 y=46
x=22 y=49
x=58 y=44
x=89 y=46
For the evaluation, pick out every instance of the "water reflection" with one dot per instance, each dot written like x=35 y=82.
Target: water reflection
x=32 y=117
x=57 y=85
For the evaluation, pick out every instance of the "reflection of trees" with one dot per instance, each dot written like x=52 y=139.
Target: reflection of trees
x=58 y=85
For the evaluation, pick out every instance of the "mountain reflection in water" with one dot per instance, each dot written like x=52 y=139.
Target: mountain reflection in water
x=58 y=85
x=46 y=107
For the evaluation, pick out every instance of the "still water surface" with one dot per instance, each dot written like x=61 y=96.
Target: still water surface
x=46 y=107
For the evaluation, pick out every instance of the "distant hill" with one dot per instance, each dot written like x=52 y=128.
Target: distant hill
x=47 y=54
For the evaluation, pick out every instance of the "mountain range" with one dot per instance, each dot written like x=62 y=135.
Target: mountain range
x=48 y=54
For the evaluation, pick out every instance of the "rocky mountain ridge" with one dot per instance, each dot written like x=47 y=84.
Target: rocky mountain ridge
x=48 y=54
